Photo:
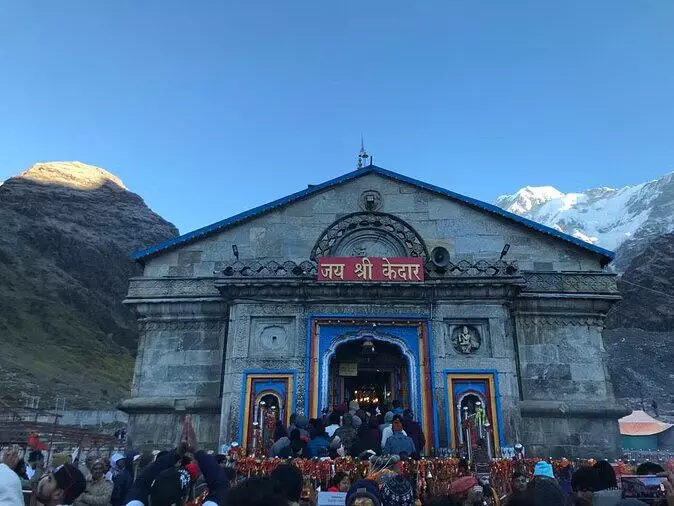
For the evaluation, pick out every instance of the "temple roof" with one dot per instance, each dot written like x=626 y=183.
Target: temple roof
x=640 y=423
x=200 y=233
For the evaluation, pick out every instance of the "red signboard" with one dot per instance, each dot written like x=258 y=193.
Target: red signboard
x=399 y=270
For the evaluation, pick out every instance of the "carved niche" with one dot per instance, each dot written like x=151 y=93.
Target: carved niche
x=466 y=339
x=370 y=200
x=271 y=337
x=370 y=234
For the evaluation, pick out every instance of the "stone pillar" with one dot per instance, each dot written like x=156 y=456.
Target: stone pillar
x=567 y=408
x=178 y=372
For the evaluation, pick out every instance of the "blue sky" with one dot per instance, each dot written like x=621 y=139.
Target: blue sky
x=210 y=108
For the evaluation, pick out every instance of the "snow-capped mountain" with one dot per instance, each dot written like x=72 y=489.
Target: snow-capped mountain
x=623 y=220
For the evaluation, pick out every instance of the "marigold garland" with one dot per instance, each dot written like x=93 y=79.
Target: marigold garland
x=429 y=475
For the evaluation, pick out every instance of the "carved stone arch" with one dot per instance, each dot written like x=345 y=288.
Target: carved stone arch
x=388 y=230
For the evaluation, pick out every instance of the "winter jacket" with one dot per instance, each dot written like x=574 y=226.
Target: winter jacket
x=608 y=497
x=416 y=433
x=366 y=440
x=347 y=432
x=399 y=443
x=97 y=493
x=122 y=481
x=215 y=478
x=279 y=446
x=302 y=424
x=316 y=444
x=386 y=433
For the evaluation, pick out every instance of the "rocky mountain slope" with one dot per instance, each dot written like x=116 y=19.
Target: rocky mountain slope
x=624 y=220
x=66 y=232
x=640 y=329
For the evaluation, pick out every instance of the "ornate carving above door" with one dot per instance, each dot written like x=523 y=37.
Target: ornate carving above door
x=370 y=234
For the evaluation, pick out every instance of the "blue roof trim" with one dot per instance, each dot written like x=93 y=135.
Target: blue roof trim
x=371 y=169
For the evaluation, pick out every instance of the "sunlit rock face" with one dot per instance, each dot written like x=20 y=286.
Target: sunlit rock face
x=67 y=230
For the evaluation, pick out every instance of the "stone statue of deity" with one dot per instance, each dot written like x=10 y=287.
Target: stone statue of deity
x=466 y=340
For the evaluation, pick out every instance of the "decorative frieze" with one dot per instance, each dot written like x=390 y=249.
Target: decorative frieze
x=296 y=290
x=171 y=287
x=180 y=325
x=585 y=282
x=531 y=321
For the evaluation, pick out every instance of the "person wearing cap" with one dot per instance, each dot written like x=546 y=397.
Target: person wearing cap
x=396 y=407
x=545 y=491
x=61 y=487
x=363 y=493
x=122 y=479
x=543 y=471
x=397 y=492
x=99 y=490
x=467 y=491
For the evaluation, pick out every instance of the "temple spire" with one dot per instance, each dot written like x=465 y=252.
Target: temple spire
x=363 y=158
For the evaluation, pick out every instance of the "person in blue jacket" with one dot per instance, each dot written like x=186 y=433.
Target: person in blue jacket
x=398 y=443
x=320 y=440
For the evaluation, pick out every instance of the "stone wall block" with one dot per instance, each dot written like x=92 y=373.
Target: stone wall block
x=189 y=257
x=588 y=372
x=548 y=389
x=194 y=341
x=541 y=353
x=208 y=389
x=193 y=373
x=547 y=371
x=181 y=270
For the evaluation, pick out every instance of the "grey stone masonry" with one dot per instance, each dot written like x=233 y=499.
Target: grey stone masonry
x=534 y=318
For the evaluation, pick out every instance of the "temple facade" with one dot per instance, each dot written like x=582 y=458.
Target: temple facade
x=377 y=287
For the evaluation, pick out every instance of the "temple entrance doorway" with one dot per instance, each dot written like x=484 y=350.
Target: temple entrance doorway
x=370 y=371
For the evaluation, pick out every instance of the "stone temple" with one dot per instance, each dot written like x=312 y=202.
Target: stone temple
x=377 y=287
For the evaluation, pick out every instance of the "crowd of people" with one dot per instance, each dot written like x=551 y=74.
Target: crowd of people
x=595 y=485
x=185 y=477
x=350 y=431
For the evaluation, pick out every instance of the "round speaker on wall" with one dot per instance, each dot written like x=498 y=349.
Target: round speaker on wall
x=440 y=256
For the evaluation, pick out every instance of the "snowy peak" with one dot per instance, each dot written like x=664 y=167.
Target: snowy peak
x=76 y=175
x=528 y=198
x=603 y=216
